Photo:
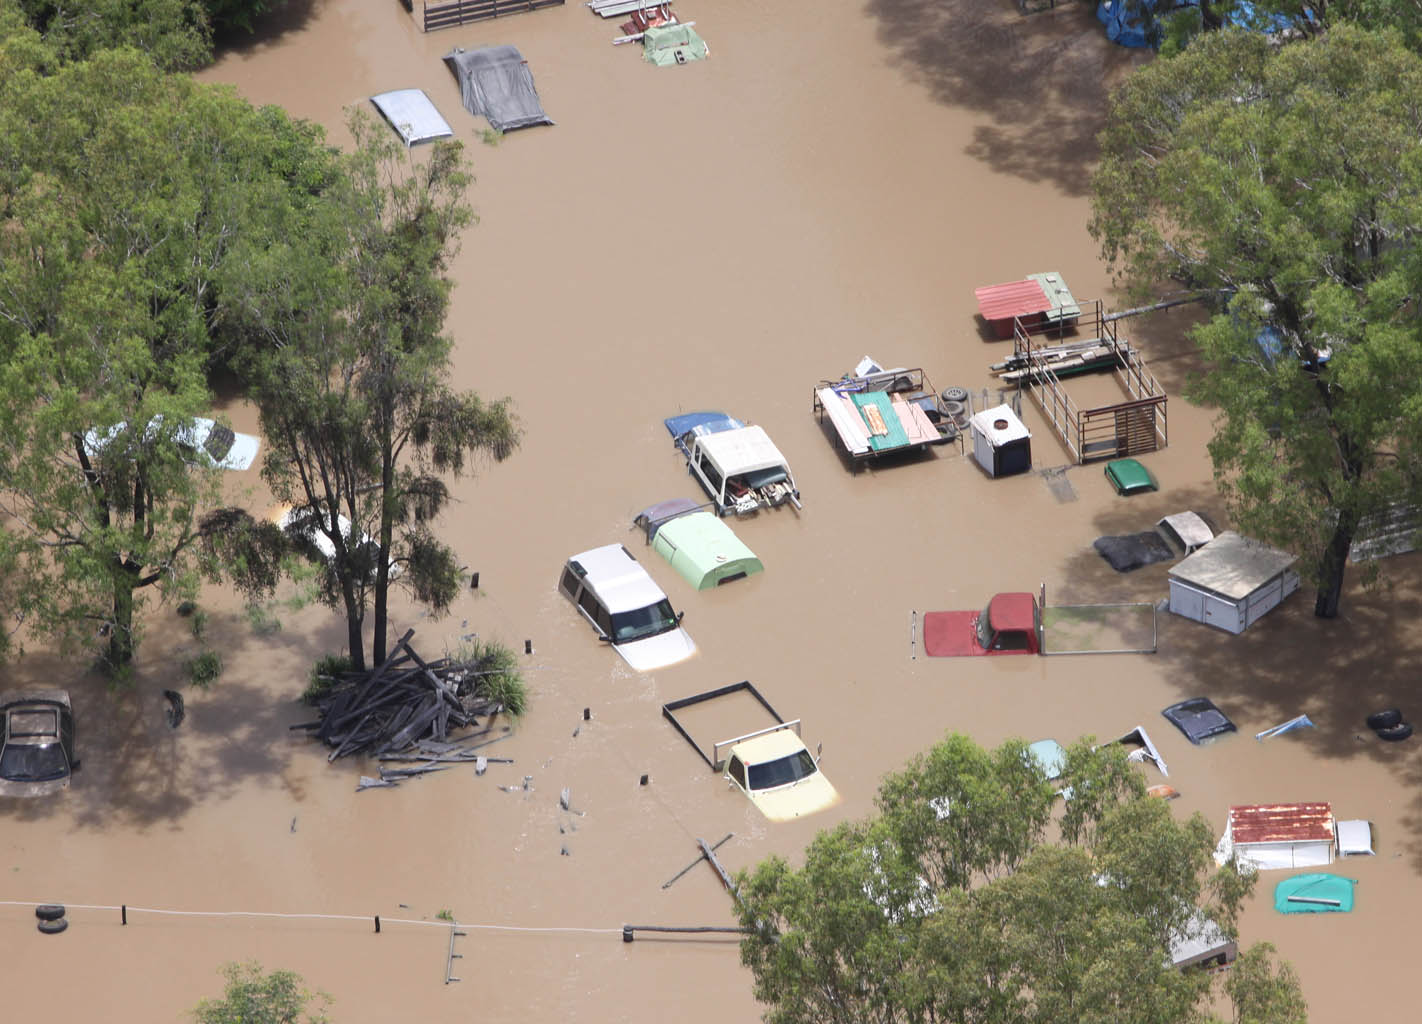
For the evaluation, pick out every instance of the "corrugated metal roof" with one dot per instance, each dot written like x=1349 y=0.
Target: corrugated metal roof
x=1281 y=823
x=1005 y=301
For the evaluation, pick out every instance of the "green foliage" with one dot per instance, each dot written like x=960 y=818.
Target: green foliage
x=445 y=915
x=204 y=670
x=323 y=675
x=175 y=34
x=198 y=623
x=123 y=267
x=1212 y=175
x=262 y=617
x=494 y=674
x=950 y=904
x=252 y=997
x=352 y=379
x=1265 y=993
x=491 y=136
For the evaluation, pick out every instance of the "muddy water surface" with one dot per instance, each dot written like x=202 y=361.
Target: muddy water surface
x=835 y=181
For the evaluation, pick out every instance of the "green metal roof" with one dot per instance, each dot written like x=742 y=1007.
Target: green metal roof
x=1318 y=893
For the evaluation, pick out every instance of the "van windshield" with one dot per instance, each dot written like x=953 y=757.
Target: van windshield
x=643 y=622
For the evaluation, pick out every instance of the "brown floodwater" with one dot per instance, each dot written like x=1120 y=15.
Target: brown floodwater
x=833 y=182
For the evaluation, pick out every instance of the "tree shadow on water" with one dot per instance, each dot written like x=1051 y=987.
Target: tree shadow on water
x=1042 y=79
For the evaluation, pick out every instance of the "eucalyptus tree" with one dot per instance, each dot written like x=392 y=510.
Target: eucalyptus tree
x=117 y=238
x=352 y=376
x=1289 y=182
x=1018 y=928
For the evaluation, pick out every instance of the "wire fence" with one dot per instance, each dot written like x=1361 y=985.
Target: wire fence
x=124 y=909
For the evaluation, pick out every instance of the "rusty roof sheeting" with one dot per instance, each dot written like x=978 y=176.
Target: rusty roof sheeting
x=1005 y=301
x=1281 y=823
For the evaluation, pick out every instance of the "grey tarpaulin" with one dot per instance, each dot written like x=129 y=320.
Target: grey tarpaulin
x=1134 y=550
x=495 y=82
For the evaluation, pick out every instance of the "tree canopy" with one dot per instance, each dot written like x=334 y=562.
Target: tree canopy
x=351 y=375
x=950 y=904
x=254 y=997
x=1285 y=183
x=119 y=243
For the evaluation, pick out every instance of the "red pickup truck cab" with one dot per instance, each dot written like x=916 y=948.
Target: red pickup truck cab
x=1010 y=624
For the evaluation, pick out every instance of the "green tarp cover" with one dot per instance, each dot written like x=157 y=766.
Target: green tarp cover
x=897 y=437
x=672 y=44
x=1319 y=893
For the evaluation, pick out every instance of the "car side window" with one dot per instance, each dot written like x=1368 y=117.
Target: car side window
x=569 y=583
x=709 y=469
x=589 y=604
x=604 y=620
x=737 y=772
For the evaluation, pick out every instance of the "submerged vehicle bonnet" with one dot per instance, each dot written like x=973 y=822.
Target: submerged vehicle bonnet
x=657 y=651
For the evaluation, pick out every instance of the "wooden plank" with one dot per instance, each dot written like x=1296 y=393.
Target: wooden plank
x=875 y=419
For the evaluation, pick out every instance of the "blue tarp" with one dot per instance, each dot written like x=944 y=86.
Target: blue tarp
x=1139 y=26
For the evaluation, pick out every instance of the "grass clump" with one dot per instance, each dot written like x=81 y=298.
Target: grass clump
x=493 y=669
x=204 y=670
x=324 y=675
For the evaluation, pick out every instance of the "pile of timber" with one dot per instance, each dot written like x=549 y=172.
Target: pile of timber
x=1064 y=359
x=407 y=703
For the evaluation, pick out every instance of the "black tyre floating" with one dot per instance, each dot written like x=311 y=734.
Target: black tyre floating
x=954 y=409
x=955 y=394
x=54 y=927
x=1397 y=733
x=1384 y=719
x=49 y=911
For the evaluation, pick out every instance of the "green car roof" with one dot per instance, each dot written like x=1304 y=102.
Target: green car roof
x=704 y=551
x=1129 y=477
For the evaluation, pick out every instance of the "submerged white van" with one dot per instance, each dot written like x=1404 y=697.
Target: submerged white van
x=626 y=607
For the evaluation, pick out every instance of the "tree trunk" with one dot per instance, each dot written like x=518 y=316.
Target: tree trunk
x=1335 y=560
x=387 y=531
x=120 y=650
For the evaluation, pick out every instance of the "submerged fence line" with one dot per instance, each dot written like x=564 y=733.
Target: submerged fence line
x=124 y=909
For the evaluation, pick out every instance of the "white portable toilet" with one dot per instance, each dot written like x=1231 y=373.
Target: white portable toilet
x=1002 y=445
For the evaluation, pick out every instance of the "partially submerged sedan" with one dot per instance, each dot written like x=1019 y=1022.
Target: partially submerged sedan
x=626 y=607
x=37 y=744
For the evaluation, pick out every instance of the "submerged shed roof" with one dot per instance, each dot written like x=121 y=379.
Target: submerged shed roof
x=1232 y=565
x=1281 y=823
x=411 y=113
x=1016 y=298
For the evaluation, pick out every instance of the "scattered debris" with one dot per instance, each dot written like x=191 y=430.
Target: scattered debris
x=175 y=711
x=565 y=797
x=401 y=704
x=293 y=824
x=1299 y=722
x=481 y=765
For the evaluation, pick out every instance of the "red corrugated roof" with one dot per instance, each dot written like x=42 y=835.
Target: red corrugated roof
x=1005 y=301
x=1281 y=823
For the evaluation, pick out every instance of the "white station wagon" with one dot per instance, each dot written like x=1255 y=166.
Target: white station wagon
x=626 y=607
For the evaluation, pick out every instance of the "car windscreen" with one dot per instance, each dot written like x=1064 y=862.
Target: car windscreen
x=219 y=442
x=25 y=762
x=643 y=622
x=782 y=771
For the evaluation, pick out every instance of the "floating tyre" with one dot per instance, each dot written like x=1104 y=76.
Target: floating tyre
x=53 y=927
x=1384 y=719
x=1396 y=734
x=954 y=409
x=49 y=911
x=955 y=394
